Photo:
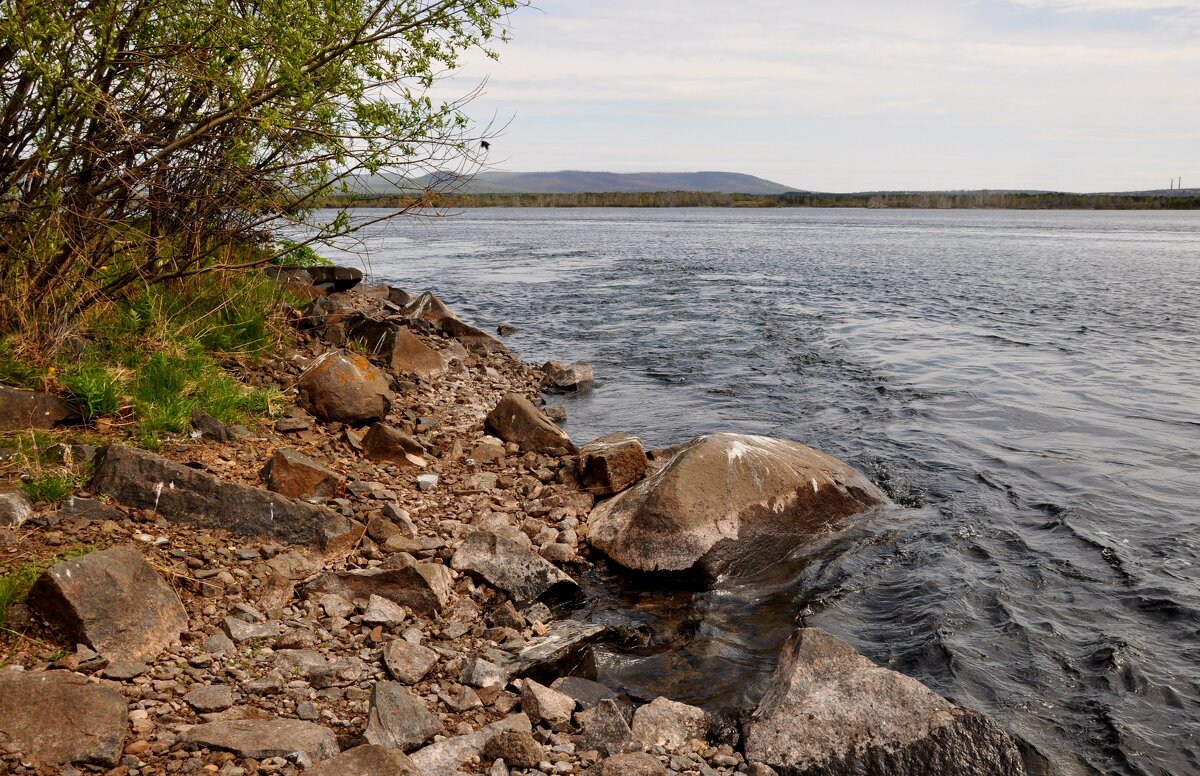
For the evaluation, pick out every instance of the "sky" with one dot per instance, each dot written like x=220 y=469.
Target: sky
x=852 y=95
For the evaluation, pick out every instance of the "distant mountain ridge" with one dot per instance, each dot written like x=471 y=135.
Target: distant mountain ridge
x=585 y=182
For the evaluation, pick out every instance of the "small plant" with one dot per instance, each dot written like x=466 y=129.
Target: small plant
x=49 y=486
x=300 y=256
x=94 y=389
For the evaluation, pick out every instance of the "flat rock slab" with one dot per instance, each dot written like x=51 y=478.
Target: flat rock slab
x=445 y=758
x=563 y=644
x=398 y=718
x=511 y=567
x=113 y=601
x=185 y=495
x=423 y=587
x=262 y=738
x=20 y=410
x=725 y=502
x=56 y=717
x=367 y=760
x=829 y=711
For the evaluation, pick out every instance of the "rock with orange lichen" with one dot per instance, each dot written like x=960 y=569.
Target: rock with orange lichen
x=346 y=388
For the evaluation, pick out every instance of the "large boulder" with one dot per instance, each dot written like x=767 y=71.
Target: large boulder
x=611 y=464
x=725 y=500
x=423 y=587
x=829 y=711
x=113 y=601
x=182 y=494
x=345 y=388
x=262 y=738
x=507 y=565
x=56 y=717
x=29 y=409
x=295 y=475
x=515 y=419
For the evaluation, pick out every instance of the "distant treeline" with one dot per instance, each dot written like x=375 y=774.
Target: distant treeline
x=924 y=199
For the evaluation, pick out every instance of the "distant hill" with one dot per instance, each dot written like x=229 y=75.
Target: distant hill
x=580 y=182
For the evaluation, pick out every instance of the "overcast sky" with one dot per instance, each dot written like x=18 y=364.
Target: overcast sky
x=1079 y=95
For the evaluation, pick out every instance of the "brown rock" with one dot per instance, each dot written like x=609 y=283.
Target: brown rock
x=346 y=388
x=408 y=663
x=611 y=464
x=396 y=347
x=629 y=764
x=576 y=378
x=515 y=419
x=829 y=711
x=57 y=717
x=516 y=747
x=424 y=587
x=384 y=443
x=291 y=474
x=20 y=410
x=113 y=601
x=185 y=495
x=726 y=498
x=367 y=760
x=263 y=738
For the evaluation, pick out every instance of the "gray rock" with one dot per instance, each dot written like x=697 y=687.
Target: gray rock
x=547 y=705
x=381 y=611
x=585 y=692
x=210 y=697
x=515 y=419
x=408 y=663
x=346 y=388
x=185 y=495
x=445 y=758
x=726 y=500
x=629 y=764
x=604 y=729
x=398 y=718
x=669 y=724
x=263 y=738
x=367 y=760
x=478 y=672
x=829 y=711
x=563 y=643
x=294 y=475
x=15 y=509
x=209 y=427
x=124 y=669
x=423 y=588
x=432 y=310
x=219 y=644
x=505 y=564
x=426 y=482
x=611 y=464
x=56 y=717
x=240 y=630
x=20 y=410
x=113 y=601
x=317 y=670
x=576 y=378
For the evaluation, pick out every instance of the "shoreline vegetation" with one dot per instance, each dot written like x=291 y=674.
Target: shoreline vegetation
x=980 y=200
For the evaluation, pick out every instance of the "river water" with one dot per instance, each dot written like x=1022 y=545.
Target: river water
x=1027 y=384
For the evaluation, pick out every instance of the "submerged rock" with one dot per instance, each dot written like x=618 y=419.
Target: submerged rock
x=113 y=601
x=57 y=717
x=726 y=499
x=576 y=378
x=345 y=388
x=829 y=711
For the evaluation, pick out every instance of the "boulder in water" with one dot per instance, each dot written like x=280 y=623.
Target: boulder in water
x=727 y=499
x=829 y=711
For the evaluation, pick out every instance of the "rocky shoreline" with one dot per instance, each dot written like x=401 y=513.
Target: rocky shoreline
x=383 y=582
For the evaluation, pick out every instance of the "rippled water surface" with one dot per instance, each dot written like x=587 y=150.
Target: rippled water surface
x=1027 y=383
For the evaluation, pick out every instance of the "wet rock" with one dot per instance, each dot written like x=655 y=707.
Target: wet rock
x=563 y=644
x=408 y=663
x=507 y=565
x=669 y=724
x=515 y=419
x=294 y=475
x=629 y=764
x=15 y=509
x=57 y=717
x=209 y=698
x=547 y=705
x=185 y=495
x=398 y=718
x=611 y=464
x=604 y=728
x=113 y=601
x=345 y=388
x=515 y=747
x=338 y=278
x=506 y=329
x=445 y=758
x=367 y=760
x=381 y=611
x=384 y=443
x=585 y=692
x=727 y=500
x=20 y=410
x=830 y=711
x=209 y=427
x=433 y=311
x=575 y=378
x=263 y=738
x=423 y=587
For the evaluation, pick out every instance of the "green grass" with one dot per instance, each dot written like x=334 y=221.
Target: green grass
x=50 y=486
x=15 y=585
